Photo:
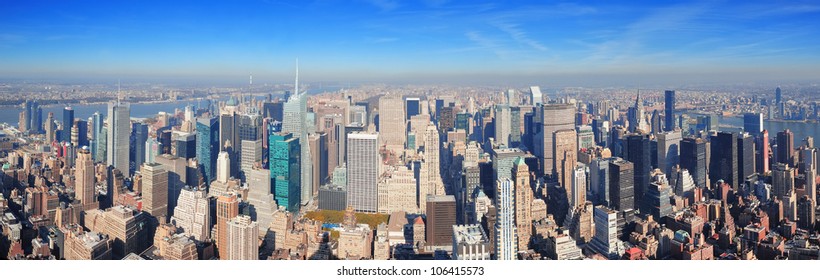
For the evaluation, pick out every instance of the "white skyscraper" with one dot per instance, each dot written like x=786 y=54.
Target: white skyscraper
x=579 y=186
x=295 y=122
x=506 y=237
x=223 y=167
x=503 y=124
x=261 y=199
x=605 y=241
x=243 y=237
x=536 y=96
x=362 y=171
x=193 y=213
x=119 y=135
x=251 y=153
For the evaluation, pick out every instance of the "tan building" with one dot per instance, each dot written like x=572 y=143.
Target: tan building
x=397 y=190
x=392 y=123
x=280 y=225
x=242 y=239
x=192 y=214
x=124 y=226
x=155 y=190
x=83 y=245
x=565 y=157
x=84 y=180
x=523 y=202
x=381 y=243
x=355 y=240
x=227 y=207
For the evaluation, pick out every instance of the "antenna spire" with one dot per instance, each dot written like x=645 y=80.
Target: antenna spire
x=296 y=84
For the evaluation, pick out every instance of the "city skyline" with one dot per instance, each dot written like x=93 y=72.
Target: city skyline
x=432 y=41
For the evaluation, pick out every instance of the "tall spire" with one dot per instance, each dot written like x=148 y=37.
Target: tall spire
x=638 y=99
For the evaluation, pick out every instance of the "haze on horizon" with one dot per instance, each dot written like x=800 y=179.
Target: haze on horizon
x=429 y=41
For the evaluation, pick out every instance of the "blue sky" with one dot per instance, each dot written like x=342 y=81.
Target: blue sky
x=412 y=40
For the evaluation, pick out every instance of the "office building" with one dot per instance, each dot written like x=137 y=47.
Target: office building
x=724 y=159
x=441 y=216
x=192 y=213
x=669 y=112
x=639 y=153
x=745 y=157
x=119 y=135
x=207 y=146
x=392 y=127
x=753 y=123
x=553 y=117
x=693 y=159
x=285 y=164
x=523 y=202
x=785 y=147
x=84 y=186
x=668 y=149
x=565 y=157
x=363 y=171
x=227 y=208
x=412 y=107
x=242 y=240
x=155 y=190
x=606 y=240
x=505 y=230
x=503 y=125
x=621 y=185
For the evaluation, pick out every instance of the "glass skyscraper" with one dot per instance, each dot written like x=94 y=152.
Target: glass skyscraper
x=207 y=146
x=285 y=168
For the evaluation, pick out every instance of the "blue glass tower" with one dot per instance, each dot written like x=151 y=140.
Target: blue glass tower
x=207 y=146
x=285 y=159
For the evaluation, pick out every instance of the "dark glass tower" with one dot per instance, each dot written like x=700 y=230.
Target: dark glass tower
x=745 y=156
x=785 y=147
x=669 y=113
x=724 y=163
x=207 y=146
x=693 y=158
x=639 y=152
x=621 y=185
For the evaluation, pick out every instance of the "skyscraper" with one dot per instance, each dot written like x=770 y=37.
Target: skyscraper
x=668 y=150
x=207 y=146
x=523 y=203
x=503 y=124
x=724 y=161
x=606 y=240
x=753 y=123
x=193 y=213
x=693 y=159
x=68 y=122
x=362 y=171
x=505 y=230
x=139 y=136
x=809 y=168
x=242 y=239
x=295 y=122
x=778 y=96
x=441 y=216
x=745 y=156
x=669 y=112
x=227 y=207
x=84 y=180
x=223 y=167
x=553 y=117
x=565 y=157
x=639 y=153
x=785 y=147
x=119 y=135
x=637 y=116
x=285 y=161
x=251 y=153
x=392 y=127
x=621 y=185
x=155 y=190
x=412 y=107
x=762 y=152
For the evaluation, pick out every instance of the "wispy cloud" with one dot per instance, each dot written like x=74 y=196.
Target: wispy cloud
x=520 y=35
x=484 y=42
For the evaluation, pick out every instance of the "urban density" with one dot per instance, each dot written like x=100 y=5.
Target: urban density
x=431 y=130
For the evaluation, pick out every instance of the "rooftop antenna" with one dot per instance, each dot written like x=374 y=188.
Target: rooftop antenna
x=119 y=96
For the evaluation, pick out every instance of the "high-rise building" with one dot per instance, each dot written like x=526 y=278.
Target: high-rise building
x=184 y=145
x=242 y=239
x=565 y=156
x=724 y=159
x=785 y=147
x=363 y=171
x=139 y=134
x=223 y=167
x=505 y=230
x=441 y=216
x=637 y=117
x=782 y=180
x=762 y=153
x=207 y=146
x=125 y=226
x=68 y=123
x=119 y=135
x=693 y=159
x=586 y=137
x=251 y=153
x=285 y=161
x=578 y=187
x=155 y=190
x=261 y=198
x=753 y=123
x=599 y=181
x=778 y=96
x=412 y=107
x=193 y=213
x=503 y=124
x=392 y=127
x=553 y=117
x=84 y=180
x=809 y=168
x=657 y=197
x=177 y=177
x=227 y=207
x=249 y=128
x=669 y=112
x=536 y=97
x=523 y=203
x=621 y=185
x=668 y=150
x=745 y=156
x=606 y=240
x=639 y=152
x=397 y=190
x=806 y=214
x=432 y=149
x=51 y=130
